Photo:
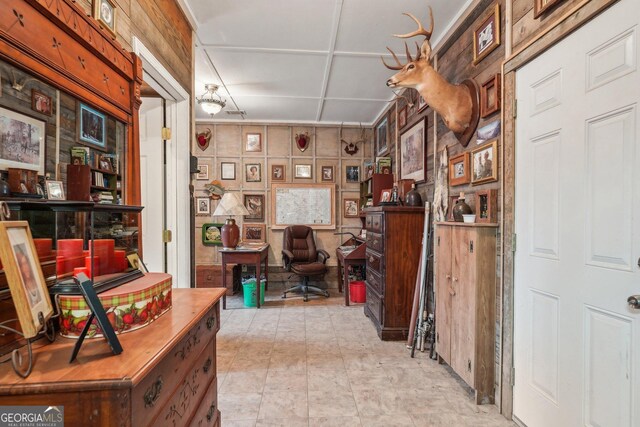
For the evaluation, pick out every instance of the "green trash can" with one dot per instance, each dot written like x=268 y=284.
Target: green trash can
x=249 y=291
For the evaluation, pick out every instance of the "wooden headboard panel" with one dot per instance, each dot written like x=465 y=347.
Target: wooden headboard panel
x=55 y=41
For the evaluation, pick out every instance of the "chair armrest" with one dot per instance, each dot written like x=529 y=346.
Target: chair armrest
x=323 y=256
x=287 y=258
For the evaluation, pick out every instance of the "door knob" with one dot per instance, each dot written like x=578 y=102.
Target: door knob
x=634 y=301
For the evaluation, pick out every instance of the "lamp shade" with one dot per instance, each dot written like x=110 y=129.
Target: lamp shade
x=212 y=106
x=230 y=205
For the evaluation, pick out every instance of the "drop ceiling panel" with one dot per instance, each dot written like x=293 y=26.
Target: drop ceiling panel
x=339 y=110
x=273 y=74
x=271 y=109
x=358 y=77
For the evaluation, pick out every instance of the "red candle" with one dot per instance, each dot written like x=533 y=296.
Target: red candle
x=120 y=261
x=61 y=265
x=103 y=248
x=96 y=266
x=79 y=270
x=70 y=247
x=43 y=246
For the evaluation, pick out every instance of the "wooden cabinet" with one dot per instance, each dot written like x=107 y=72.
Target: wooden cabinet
x=166 y=374
x=86 y=183
x=465 y=292
x=394 y=237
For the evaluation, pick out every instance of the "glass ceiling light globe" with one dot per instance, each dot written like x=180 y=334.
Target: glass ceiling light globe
x=209 y=103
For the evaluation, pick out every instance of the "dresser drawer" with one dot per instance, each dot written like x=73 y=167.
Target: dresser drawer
x=374 y=304
x=374 y=222
x=185 y=400
x=374 y=261
x=149 y=397
x=208 y=414
x=375 y=281
x=375 y=242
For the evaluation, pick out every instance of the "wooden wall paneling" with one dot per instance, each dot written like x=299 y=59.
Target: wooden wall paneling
x=279 y=141
x=526 y=26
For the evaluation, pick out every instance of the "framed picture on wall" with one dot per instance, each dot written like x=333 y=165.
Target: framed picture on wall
x=413 y=152
x=350 y=208
x=542 y=6
x=41 y=102
x=459 y=169
x=252 y=172
x=422 y=104
x=487 y=36
x=55 y=190
x=203 y=175
x=253 y=142
x=92 y=127
x=203 y=206
x=255 y=205
x=402 y=117
x=382 y=137
x=254 y=232
x=278 y=173
x=212 y=234
x=484 y=163
x=490 y=96
x=27 y=153
x=104 y=11
x=327 y=174
x=352 y=174
x=303 y=171
x=227 y=171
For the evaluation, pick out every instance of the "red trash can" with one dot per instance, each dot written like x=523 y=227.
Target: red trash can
x=357 y=292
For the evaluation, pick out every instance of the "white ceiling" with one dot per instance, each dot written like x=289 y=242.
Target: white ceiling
x=315 y=61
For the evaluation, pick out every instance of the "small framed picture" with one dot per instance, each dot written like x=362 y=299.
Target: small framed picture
x=255 y=205
x=327 y=174
x=55 y=190
x=212 y=234
x=542 y=6
x=92 y=127
x=452 y=202
x=203 y=206
x=422 y=104
x=385 y=195
x=228 y=171
x=104 y=11
x=253 y=143
x=136 y=262
x=352 y=174
x=484 y=161
x=278 y=173
x=413 y=152
x=254 y=232
x=105 y=164
x=303 y=171
x=351 y=208
x=252 y=172
x=24 y=276
x=382 y=137
x=487 y=206
x=488 y=132
x=203 y=175
x=41 y=103
x=459 y=170
x=402 y=117
x=487 y=36
x=490 y=96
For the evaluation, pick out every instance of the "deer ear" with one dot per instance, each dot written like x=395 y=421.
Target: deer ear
x=425 y=51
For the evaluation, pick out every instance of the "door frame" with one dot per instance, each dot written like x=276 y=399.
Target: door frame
x=177 y=178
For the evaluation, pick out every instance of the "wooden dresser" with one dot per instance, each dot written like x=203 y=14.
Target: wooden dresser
x=394 y=238
x=465 y=289
x=165 y=376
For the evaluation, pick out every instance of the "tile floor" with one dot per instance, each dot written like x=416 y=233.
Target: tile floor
x=321 y=364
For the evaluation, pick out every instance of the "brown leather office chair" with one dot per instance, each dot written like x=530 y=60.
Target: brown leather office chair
x=301 y=257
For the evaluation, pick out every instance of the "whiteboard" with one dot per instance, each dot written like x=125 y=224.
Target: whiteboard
x=312 y=205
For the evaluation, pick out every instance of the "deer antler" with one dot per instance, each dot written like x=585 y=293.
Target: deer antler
x=393 y=67
x=420 y=31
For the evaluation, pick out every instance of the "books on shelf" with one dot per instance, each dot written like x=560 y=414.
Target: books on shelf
x=80 y=155
x=383 y=164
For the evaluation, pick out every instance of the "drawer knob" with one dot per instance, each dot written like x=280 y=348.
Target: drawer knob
x=371 y=259
x=153 y=392
x=211 y=413
x=207 y=365
x=211 y=321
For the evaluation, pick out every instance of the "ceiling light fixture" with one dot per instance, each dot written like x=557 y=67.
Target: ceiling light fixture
x=210 y=104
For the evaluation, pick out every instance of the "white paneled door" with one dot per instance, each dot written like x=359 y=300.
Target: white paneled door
x=576 y=340
x=152 y=173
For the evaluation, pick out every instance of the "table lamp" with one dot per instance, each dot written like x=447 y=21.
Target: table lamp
x=230 y=205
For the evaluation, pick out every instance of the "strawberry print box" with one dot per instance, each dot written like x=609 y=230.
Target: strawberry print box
x=129 y=307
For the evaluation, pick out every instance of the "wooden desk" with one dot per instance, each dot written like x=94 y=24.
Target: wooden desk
x=166 y=374
x=345 y=260
x=250 y=257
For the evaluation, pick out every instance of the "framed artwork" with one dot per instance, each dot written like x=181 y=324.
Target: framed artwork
x=105 y=164
x=55 y=190
x=385 y=195
x=422 y=104
x=459 y=169
x=352 y=174
x=490 y=96
x=350 y=208
x=227 y=171
x=255 y=205
x=487 y=206
x=203 y=175
x=212 y=234
x=203 y=206
x=254 y=232
x=382 y=137
x=278 y=173
x=542 y=6
x=303 y=171
x=484 y=161
x=24 y=276
x=413 y=152
x=252 y=172
x=487 y=36
x=41 y=102
x=28 y=153
x=327 y=174
x=488 y=132
x=104 y=11
x=402 y=117
x=452 y=202
x=136 y=262
x=253 y=142
x=92 y=127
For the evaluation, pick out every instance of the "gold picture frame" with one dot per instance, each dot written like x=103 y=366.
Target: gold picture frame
x=484 y=163
x=105 y=12
x=24 y=276
x=542 y=6
x=487 y=36
x=254 y=233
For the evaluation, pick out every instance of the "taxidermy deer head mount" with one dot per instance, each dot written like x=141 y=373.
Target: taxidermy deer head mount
x=351 y=148
x=456 y=104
